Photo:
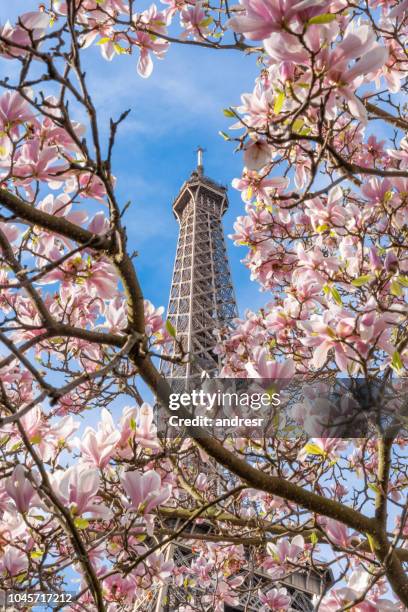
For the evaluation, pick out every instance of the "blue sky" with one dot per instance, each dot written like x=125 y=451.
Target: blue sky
x=177 y=108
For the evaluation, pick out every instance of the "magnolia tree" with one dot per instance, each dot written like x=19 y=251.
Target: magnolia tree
x=325 y=186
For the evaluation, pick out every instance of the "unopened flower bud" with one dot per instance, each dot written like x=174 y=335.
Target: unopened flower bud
x=375 y=260
x=287 y=71
x=391 y=262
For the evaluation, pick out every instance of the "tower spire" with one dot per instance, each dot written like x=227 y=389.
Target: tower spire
x=200 y=166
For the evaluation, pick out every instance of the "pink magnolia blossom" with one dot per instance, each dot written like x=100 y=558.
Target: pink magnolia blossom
x=266 y=368
x=201 y=569
x=29 y=315
x=286 y=550
x=88 y=185
x=20 y=489
x=34 y=162
x=78 y=488
x=391 y=262
x=37 y=21
x=225 y=594
x=202 y=482
x=337 y=532
x=155 y=21
x=257 y=155
x=10 y=231
x=154 y=324
x=4 y=498
x=55 y=135
x=146 y=431
x=137 y=427
x=375 y=327
x=56 y=436
x=400 y=154
x=332 y=602
x=331 y=332
x=274 y=599
x=326 y=447
x=313 y=264
x=127 y=427
x=262 y=17
x=13 y=34
x=251 y=185
x=145 y=62
x=195 y=20
x=115 y=315
x=256 y=108
x=330 y=213
x=330 y=446
x=110 y=6
x=13 y=561
x=12 y=525
x=373 y=152
x=174 y=6
x=376 y=190
x=99 y=224
x=98 y=446
x=244 y=231
x=97 y=278
x=283 y=47
x=83 y=311
x=358 y=588
x=358 y=43
x=33 y=423
x=144 y=490
x=61 y=206
x=117 y=586
x=374 y=259
x=399 y=10
x=96 y=28
x=159 y=566
x=392 y=72
x=14 y=111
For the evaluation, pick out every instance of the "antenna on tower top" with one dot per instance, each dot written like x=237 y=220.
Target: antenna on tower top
x=200 y=166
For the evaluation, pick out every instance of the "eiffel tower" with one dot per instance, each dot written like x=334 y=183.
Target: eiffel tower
x=202 y=297
x=202 y=300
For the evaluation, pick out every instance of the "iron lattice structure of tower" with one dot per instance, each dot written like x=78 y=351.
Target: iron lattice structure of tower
x=202 y=297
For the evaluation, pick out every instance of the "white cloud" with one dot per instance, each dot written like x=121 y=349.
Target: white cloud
x=187 y=84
